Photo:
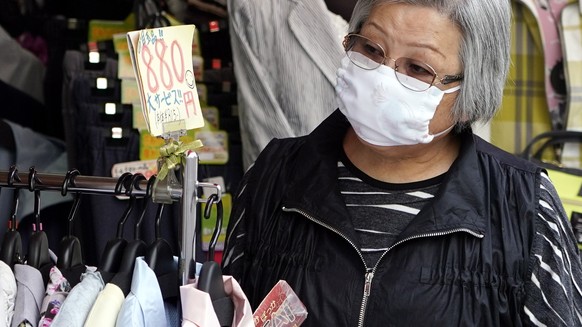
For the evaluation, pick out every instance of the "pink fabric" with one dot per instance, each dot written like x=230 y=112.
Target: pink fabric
x=56 y=292
x=36 y=45
x=197 y=310
x=547 y=13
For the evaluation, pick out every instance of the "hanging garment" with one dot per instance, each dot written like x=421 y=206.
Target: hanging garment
x=7 y=294
x=20 y=108
x=96 y=114
x=20 y=68
x=197 y=309
x=106 y=307
x=56 y=292
x=103 y=154
x=29 y=296
x=85 y=91
x=74 y=93
x=285 y=57
x=45 y=154
x=144 y=305
x=91 y=147
x=75 y=309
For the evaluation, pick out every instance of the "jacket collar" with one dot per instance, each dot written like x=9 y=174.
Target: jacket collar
x=461 y=202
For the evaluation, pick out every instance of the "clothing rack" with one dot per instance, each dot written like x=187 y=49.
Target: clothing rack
x=186 y=192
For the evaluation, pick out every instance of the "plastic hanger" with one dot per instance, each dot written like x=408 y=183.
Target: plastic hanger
x=38 y=255
x=70 y=254
x=113 y=252
x=70 y=260
x=210 y=279
x=136 y=247
x=160 y=258
x=11 y=250
x=213 y=199
x=211 y=282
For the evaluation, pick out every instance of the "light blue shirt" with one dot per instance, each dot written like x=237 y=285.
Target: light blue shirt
x=79 y=302
x=144 y=305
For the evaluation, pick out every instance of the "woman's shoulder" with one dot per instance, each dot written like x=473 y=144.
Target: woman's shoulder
x=503 y=157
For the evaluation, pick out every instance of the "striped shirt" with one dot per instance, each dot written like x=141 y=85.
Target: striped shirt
x=380 y=211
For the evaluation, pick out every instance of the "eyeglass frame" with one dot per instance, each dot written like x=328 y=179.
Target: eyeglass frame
x=447 y=79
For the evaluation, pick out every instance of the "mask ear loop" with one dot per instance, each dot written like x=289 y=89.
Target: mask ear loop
x=448 y=129
x=452 y=89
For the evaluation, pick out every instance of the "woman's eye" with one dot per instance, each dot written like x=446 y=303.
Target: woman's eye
x=417 y=70
x=373 y=50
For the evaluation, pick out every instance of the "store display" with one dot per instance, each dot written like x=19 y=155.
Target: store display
x=75 y=84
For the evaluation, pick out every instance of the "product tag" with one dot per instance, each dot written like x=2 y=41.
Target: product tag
x=280 y=308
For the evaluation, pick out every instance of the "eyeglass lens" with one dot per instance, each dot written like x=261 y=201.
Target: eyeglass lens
x=411 y=73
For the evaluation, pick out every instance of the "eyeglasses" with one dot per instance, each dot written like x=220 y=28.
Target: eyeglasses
x=412 y=74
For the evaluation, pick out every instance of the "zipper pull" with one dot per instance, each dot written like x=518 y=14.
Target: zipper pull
x=368 y=283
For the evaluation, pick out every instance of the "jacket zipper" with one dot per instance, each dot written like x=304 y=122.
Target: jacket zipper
x=370 y=271
x=367 y=289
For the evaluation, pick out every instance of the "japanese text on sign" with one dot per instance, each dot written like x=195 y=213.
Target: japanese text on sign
x=162 y=60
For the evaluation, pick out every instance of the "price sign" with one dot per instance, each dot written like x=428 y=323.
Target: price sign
x=162 y=63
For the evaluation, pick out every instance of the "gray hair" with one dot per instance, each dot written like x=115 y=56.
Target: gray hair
x=485 y=50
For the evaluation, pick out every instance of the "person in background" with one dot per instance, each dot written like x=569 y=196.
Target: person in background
x=392 y=212
x=285 y=54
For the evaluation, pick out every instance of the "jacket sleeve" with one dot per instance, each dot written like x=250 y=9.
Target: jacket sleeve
x=233 y=257
x=554 y=290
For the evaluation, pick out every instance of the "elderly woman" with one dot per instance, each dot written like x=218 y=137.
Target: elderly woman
x=392 y=212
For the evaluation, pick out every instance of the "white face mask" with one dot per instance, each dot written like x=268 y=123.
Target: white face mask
x=381 y=110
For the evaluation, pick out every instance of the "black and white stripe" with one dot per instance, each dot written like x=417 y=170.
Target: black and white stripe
x=380 y=211
x=554 y=292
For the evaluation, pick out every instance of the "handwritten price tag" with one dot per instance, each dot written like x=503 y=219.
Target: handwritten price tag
x=162 y=63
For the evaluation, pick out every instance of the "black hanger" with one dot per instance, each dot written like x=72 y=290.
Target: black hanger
x=11 y=251
x=210 y=278
x=160 y=258
x=113 y=252
x=38 y=255
x=70 y=260
x=38 y=250
x=213 y=199
x=134 y=248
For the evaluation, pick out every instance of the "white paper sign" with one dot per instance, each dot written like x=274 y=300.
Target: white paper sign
x=162 y=63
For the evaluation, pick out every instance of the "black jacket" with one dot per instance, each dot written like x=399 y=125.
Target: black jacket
x=462 y=261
